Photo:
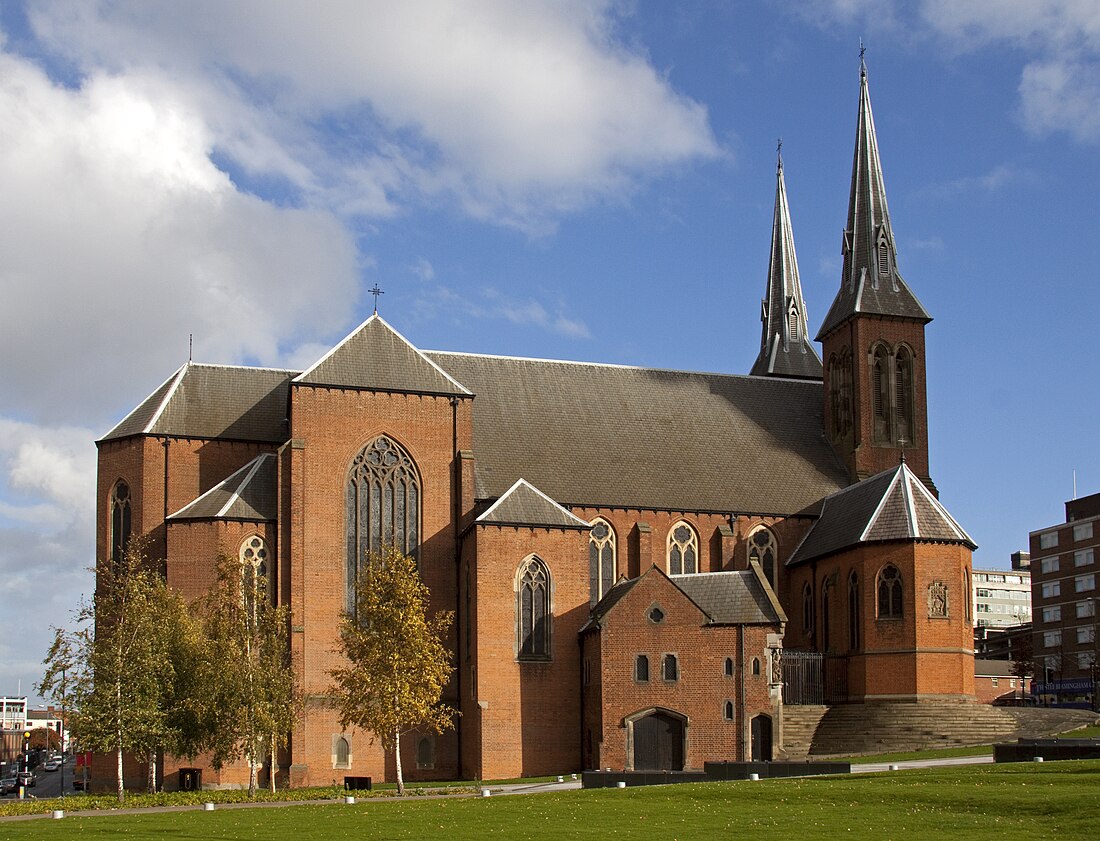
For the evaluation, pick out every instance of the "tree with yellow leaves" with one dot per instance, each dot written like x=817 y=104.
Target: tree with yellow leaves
x=397 y=664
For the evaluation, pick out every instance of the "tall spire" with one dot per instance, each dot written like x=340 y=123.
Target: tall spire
x=870 y=282
x=785 y=349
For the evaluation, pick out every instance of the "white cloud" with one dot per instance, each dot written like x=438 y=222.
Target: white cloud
x=519 y=111
x=120 y=237
x=1059 y=40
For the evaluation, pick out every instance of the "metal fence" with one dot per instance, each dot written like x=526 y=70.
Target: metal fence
x=810 y=677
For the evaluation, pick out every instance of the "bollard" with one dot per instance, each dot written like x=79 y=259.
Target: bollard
x=620 y=784
x=754 y=778
x=208 y=807
x=561 y=779
x=573 y=776
x=350 y=800
x=892 y=767
x=58 y=814
x=485 y=792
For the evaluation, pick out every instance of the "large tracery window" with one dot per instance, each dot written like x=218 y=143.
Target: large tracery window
x=601 y=560
x=533 y=610
x=382 y=507
x=254 y=559
x=762 y=549
x=889 y=593
x=683 y=550
x=120 y=520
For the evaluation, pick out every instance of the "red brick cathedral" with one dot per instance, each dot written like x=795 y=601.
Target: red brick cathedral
x=637 y=558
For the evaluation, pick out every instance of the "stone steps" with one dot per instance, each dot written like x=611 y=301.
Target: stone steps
x=849 y=729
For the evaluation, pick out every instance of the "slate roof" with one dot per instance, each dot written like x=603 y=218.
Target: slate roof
x=727 y=598
x=375 y=356
x=731 y=598
x=614 y=435
x=249 y=494
x=214 y=401
x=892 y=505
x=779 y=356
x=862 y=289
x=525 y=505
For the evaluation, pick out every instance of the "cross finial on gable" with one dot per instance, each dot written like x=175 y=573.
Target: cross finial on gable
x=376 y=292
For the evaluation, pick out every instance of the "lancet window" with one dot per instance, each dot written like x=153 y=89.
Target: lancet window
x=533 y=609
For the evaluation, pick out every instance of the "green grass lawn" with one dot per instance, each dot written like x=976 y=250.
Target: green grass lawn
x=1021 y=800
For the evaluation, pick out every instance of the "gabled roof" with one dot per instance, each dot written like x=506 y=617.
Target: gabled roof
x=737 y=597
x=376 y=357
x=889 y=506
x=214 y=401
x=862 y=288
x=525 y=505
x=731 y=598
x=613 y=435
x=783 y=302
x=248 y=494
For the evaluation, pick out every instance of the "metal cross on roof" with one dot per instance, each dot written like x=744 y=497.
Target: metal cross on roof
x=376 y=292
x=862 y=50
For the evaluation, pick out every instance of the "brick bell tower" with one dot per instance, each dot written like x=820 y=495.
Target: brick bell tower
x=876 y=408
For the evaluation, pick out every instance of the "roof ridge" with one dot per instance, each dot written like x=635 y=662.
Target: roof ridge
x=233 y=497
x=179 y=377
x=615 y=365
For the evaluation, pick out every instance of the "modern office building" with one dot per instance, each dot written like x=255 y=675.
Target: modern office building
x=1064 y=595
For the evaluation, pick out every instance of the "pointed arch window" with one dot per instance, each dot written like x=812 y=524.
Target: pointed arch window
x=825 y=615
x=763 y=549
x=853 y=611
x=889 y=593
x=883 y=256
x=533 y=609
x=382 y=507
x=601 y=559
x=683 y=550
x=834 y=396
x=425 y=752
x=903 y=395
x=120 y=520
x=341 y=752
x=792 y=325
x=253 y=557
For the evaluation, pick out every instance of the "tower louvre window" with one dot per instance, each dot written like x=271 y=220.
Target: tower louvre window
x=883 y=257
x=792 y=326
x=120 y=520
x=903 y=396
x=880 y=393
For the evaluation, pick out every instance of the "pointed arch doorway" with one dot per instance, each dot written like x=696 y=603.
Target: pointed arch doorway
x=656 y=740
x=761 y=738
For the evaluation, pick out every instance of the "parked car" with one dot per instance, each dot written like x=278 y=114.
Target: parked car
x=51 y=765
x=8 y=785
x=26 y=779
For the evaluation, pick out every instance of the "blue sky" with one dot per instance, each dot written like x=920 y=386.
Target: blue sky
x=575 y=180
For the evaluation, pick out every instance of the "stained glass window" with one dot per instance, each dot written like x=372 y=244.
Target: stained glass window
x=762 y=549
x=601 y=560
x=889 y=593
x=382 y=507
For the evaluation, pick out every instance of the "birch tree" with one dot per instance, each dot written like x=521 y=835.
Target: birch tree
x=251 y=697
x=118 y=669
x=397 y=664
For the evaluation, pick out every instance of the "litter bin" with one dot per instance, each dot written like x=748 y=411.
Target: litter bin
x=190 y=779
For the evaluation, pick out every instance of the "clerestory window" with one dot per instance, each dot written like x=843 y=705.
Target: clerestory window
x=683 y=550
x=763 y=550
x=601 y=560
